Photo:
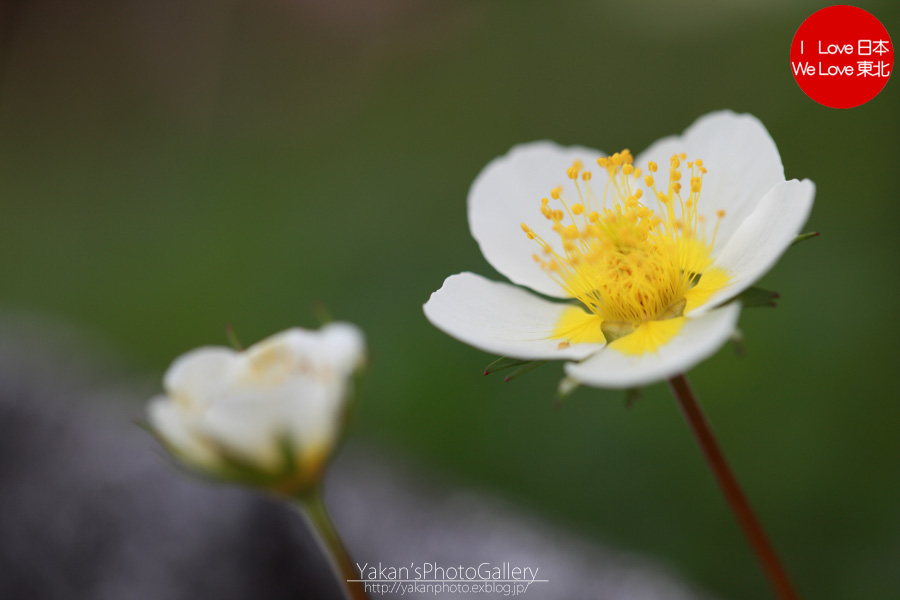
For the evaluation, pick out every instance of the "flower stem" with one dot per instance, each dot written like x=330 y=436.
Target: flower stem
x=313 y=508
x=765 y=553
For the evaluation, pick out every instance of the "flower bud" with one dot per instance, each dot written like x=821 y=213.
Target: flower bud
x=269 y=416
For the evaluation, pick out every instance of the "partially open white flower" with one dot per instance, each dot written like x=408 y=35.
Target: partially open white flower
x=269 y=415
x=649 y=250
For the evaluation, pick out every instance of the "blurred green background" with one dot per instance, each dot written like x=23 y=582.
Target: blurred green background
x=168 y=167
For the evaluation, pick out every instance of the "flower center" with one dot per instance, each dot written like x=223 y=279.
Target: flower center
x=628 y=263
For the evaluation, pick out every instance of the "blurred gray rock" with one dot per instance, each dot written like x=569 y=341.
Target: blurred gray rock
x=90 y=509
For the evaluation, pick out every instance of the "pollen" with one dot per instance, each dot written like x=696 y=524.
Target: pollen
x=627 y=261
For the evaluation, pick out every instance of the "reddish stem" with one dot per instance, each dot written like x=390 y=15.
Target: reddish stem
x=693 y=414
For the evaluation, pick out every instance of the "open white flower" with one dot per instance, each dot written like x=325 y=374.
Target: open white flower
x=269 y=415
x=649 y=249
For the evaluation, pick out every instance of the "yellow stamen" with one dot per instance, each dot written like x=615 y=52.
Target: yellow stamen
x=634 y=268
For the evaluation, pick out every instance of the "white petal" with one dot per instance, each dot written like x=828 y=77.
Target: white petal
x=314 y=415
x=500 y=318
x=698 y=339
x=246 y=427
x=171 y=423
x=508 y=192
x=253 y=423
x=740 y=156
x=763 y=237
x=344 y=346
x=336 y=348
x=199 y=375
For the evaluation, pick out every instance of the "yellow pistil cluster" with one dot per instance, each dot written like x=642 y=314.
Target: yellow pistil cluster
x=627 y=263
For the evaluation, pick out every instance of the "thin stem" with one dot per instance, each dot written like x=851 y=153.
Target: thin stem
x=693 y=414
x=313 y=508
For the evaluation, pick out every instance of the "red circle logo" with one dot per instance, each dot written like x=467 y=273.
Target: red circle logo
x=842 y=56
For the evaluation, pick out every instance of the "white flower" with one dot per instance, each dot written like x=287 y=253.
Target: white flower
x=271 y=414
x=649 y=249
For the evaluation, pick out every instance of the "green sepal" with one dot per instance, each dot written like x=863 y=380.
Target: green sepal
x=505 y=362
x=230 y=467
x=803 y=237
x=566 y=388
x=236 y=469
x=322 y=314
x=737 y=341
x=288 y=451
x=231 y=336
x=754 y=296
x=530 y=366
